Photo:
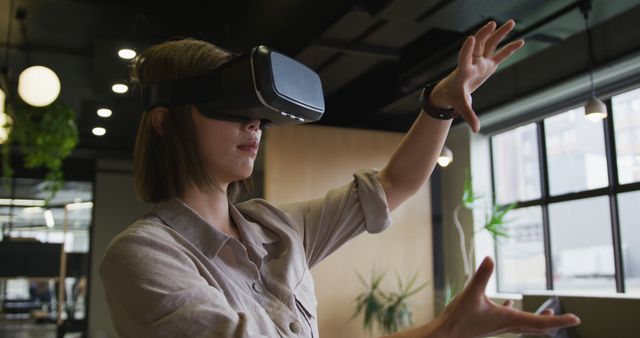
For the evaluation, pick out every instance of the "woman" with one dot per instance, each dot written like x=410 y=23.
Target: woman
x=201 y=266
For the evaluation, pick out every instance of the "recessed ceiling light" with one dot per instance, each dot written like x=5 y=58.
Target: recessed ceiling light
x=48 y=218
x=104 y=112
x=120 y=88
x=99 y=131
x=127 y=53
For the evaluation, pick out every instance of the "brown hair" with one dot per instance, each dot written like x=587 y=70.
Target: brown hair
x=164 y=165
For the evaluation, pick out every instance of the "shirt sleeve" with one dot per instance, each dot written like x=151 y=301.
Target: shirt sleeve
x=153 y=289
x=327 y=223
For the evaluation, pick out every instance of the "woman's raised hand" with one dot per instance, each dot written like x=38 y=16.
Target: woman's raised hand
x=473 y=314
x=477 y=61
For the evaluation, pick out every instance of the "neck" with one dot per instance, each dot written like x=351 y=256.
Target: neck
x=213 y=206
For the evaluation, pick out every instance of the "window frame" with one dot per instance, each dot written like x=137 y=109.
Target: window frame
x=611 y=191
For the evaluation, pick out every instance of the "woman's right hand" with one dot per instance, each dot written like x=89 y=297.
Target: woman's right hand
x=472 y=314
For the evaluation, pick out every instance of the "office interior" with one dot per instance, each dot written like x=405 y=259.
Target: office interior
x=568 y=178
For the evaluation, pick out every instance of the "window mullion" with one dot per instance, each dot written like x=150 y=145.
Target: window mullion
x=612 y=171
x=544 y=193
x=493 y=202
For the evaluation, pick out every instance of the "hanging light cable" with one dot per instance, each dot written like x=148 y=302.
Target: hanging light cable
x=5 y=120
x=38 y=85
x=595 y=110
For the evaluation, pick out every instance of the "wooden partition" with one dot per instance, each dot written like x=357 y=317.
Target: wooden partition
x=303 y=162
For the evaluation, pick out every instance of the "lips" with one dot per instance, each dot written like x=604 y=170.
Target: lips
x=251 y=146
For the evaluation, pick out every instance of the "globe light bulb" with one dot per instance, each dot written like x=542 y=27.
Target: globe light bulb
x=38 y=86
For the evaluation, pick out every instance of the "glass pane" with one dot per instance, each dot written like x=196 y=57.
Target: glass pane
x=521 y=264
x=629 y=212
x=582 y=245
x=626 y=123
x=576 y=157
x=516 y=170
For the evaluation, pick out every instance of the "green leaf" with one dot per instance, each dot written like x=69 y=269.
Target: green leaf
x=495 y=222
x=46 y=136
x=469 y=197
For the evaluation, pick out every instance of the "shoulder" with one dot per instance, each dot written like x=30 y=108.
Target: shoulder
x=141 y=244
x=146 y=230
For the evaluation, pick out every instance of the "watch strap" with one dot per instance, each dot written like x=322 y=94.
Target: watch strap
x=435 y=112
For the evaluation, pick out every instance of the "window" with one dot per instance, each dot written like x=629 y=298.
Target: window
x=25 y=220
x=576 y=158
x=582 y=245
x=626 y=113
x=577 y=186
x=628 y=204
x=521 y=254
x=517 y=175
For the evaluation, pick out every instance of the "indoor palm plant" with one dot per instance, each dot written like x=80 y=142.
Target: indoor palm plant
x=388 y=310
x=494 y=223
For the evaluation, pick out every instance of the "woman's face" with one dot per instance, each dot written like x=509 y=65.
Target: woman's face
x=229 y=148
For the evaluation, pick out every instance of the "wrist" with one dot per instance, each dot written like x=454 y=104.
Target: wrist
x=438 y=96
x=428 y=98
x=443 y=328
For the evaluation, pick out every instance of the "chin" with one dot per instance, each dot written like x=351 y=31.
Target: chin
x=245 y=173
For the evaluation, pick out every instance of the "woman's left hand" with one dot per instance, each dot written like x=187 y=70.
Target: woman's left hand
x=472 y=314
x=477 y=61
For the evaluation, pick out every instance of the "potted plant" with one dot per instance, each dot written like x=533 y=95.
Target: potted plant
x=46 y=136
x=494 y=223
x=388 y=310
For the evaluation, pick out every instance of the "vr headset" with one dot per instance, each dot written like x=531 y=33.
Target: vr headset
x=262 y=84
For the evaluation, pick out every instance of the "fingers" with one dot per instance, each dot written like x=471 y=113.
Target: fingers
x=481 y=36
x=465 y=57
x=508 y=303
x=547 y=312
x=481 y=278
x=507 y=50
x=467 y=112
x=546 y=322
x=496 y=37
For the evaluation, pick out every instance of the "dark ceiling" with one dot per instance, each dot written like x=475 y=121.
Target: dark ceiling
x=372 y=56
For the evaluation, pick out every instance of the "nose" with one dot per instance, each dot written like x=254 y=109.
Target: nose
x=252 y=125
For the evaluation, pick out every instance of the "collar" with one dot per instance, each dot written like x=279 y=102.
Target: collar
x=251 y=232
x=204 y=236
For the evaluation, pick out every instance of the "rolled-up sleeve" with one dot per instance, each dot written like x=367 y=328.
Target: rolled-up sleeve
x=327 y=223
x=154 y=290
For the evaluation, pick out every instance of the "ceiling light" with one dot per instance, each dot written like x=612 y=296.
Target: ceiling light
x=127 y=53
x=446 y=157
x=38 y=86
x=22 y=202
x=32 y=210
x=99 y=131
x=120 y=88
x=104 y=112
x=48 y=218
x=79 y=205
x=595 y=110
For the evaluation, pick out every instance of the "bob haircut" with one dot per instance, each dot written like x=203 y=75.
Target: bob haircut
x=164 y=165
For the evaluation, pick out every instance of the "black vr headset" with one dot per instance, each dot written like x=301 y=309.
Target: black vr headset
x=262 y=84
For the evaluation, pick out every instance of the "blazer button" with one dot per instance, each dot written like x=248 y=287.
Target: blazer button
x=295 y=327
x=258 y=287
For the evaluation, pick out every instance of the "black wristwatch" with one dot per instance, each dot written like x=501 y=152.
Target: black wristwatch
x=438 y=113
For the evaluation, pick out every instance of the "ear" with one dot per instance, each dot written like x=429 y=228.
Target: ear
x=158 y=115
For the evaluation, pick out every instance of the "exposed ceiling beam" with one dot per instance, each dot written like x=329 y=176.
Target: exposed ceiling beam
x=364 y=102
x=54 y=49
x=358 y=49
